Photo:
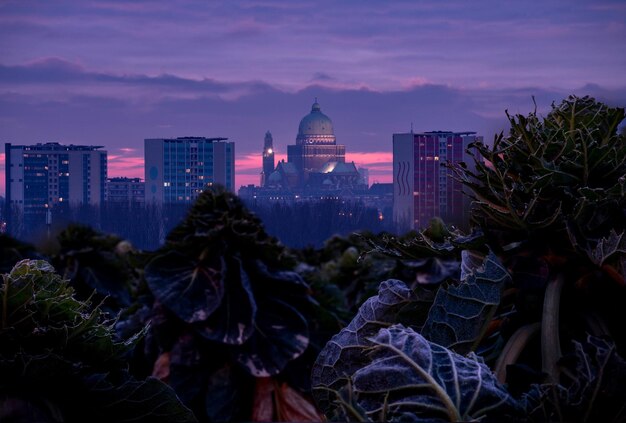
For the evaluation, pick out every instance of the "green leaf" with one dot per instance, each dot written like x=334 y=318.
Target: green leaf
x=281 y=335
x=233 y=321
x=460 y=312
x=91 y=261
x=65 y=351
x=410 y=376
x=591 y=391
x=346 y=352
x=607 y=247
x=192 y=289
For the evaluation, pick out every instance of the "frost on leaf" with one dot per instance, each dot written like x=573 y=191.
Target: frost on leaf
x=460 y=312
x=592 y=389
x=412 y=378
x=347 y=351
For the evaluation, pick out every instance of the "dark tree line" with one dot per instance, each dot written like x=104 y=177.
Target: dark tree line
x=144 y=226
x=296 y=225
x=311 y=223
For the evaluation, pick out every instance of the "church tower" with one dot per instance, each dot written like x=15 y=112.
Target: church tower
x=268 y=158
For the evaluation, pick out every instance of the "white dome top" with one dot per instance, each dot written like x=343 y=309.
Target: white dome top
x=316 y=127
x=316 y=123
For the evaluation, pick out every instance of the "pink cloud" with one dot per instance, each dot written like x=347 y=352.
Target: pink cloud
x=251 y=163
x=379 y=164
x=128 y=166
x=248 y=168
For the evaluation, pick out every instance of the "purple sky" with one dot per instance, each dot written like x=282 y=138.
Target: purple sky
x=113 y=73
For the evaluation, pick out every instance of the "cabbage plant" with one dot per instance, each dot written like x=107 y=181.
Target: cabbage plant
x=60 y=359
x=531 y=328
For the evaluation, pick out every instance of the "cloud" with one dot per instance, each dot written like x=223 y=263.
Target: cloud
x=125 y=165
x=372 y=159
x=42 y=75
x=378 y=45
x=321 y=76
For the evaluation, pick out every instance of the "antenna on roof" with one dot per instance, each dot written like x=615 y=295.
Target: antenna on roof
x=411 y=127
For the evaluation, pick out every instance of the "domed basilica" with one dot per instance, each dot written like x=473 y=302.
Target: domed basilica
x=316 y=161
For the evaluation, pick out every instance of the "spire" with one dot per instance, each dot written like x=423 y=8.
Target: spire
x=316 y=106
x=268 y=142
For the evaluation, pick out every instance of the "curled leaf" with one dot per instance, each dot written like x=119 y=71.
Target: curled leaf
x=281 y=335
x=233 y=321
x=461 y=312
x=346 y=352
x=192 y=289
x=410 y=376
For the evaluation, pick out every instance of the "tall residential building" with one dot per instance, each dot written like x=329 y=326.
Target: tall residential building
x=178 y=169
x=268 y=158
x=127 y=191
x=423 y=187
x=41 y=177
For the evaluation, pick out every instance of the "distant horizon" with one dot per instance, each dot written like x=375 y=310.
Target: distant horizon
x=114 y=74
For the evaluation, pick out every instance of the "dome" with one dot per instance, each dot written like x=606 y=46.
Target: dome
x=315 y=123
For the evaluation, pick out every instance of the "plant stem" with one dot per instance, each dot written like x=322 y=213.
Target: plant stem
x=514 y=347
x=550 y=340
x=5 y=300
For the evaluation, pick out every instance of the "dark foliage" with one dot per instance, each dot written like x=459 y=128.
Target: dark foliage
x=228 y=310
x=12 y=251
x=60 y=359
x=550 y=200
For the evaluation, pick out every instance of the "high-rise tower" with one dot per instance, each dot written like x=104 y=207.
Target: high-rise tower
x=179 y=169
x=268 y=158
x=423 y=187
x=43 y=177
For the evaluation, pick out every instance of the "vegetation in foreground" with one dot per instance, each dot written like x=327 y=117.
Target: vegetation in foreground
x=531 y=328
x=519 y=319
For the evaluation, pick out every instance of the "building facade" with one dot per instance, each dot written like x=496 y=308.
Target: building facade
x=423 y=187
x=177 y=170
x=125 y=191
x=315 y=146
x=42 y=177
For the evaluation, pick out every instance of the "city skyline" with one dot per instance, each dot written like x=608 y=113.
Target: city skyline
x=114 y=74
